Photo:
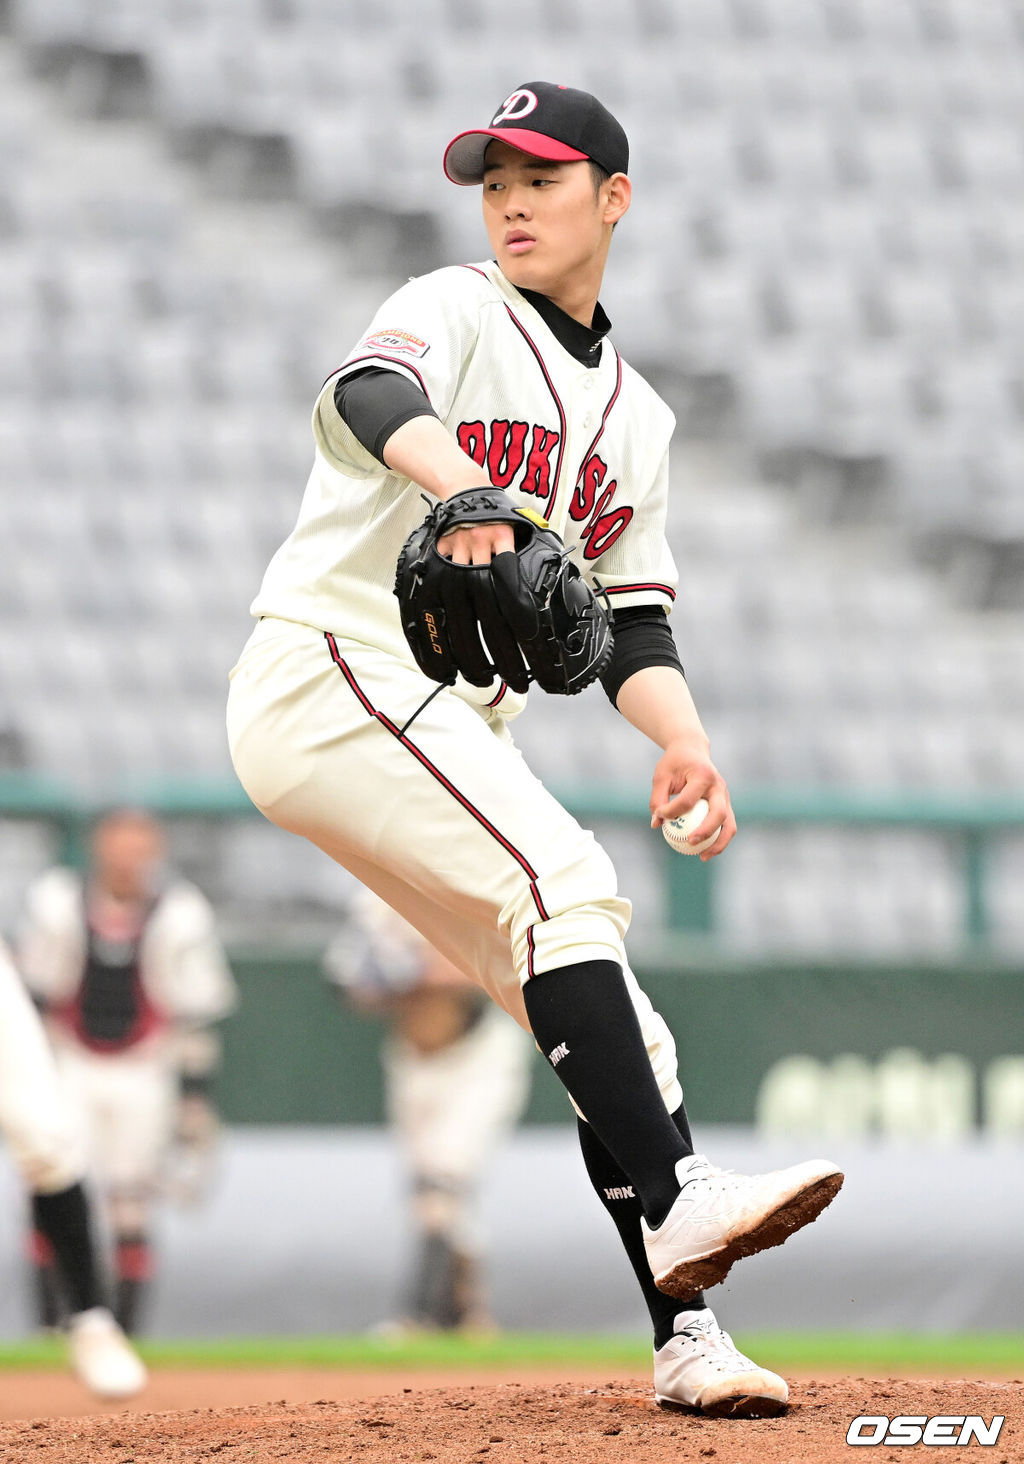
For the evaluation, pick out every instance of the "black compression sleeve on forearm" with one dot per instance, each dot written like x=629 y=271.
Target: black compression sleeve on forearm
x=643 y=637
x=376 y=402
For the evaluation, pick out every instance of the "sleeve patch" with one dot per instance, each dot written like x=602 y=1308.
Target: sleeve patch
x=397 y=343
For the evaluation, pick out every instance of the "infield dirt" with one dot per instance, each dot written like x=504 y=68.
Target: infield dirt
x=371 y=1418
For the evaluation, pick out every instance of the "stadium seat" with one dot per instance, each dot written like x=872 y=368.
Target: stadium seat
x=867 y=403
x=50 y=22
x=988 y=156
x=187 y=65
x=798 y=156
x=827 y=229
x=883 y=23
x=896 y=158
x=990 y=30
x=918 y=307
x=779 y=397
x=719 y=317
x=820 y=302
x=800 y=23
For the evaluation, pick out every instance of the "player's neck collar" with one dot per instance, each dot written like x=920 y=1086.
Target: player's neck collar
x=583 y=342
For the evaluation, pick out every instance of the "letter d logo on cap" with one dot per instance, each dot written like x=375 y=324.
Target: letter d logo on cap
x=519 y=104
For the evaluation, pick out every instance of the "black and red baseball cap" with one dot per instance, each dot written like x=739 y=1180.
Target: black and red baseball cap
x=548 y=121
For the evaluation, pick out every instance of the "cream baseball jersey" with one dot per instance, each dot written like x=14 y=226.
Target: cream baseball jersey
x=587 y=447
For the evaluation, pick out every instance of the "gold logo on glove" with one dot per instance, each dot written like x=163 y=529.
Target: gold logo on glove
x=432 y=631
x=534 y=517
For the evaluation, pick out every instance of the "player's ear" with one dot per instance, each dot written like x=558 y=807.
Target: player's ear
x=617 y=193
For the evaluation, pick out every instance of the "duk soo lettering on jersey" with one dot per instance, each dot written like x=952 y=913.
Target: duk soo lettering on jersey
x=525 y=456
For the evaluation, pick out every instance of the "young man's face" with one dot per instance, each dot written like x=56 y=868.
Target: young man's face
x=546 y=222
x=127 y=851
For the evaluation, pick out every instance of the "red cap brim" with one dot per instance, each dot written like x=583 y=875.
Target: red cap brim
x=464 y=155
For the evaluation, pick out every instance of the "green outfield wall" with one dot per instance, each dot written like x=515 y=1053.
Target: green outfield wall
x=972 y=822
x=899 y=1047
x=910 y=1050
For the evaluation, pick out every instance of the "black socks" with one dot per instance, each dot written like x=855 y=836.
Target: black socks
x=585 y=1024
x=615 y=1192
x=133 y=1270
x=63 y=1219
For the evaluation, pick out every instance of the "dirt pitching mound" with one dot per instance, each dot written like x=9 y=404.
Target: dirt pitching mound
x=568 y=1422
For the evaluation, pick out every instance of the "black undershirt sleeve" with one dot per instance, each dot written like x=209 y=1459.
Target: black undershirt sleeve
x=643 y=637
x=376 y=402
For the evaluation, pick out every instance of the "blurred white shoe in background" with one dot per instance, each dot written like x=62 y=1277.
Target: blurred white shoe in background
x=102 y=1357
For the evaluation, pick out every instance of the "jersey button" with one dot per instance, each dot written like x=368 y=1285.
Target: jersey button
x=588 y=420
x=589 y=383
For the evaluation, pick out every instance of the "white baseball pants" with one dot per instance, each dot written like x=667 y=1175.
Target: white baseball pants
x=127 y=1104
x=438 y=813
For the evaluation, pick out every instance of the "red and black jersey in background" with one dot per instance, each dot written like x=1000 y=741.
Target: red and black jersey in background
x=111 y=1011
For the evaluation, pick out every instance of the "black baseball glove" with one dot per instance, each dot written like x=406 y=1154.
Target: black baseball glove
x=528 y=615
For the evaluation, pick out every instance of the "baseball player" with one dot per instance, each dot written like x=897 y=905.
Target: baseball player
x=45 y=1146
x=456 y=1079
x=127 y=967
x=494 y=389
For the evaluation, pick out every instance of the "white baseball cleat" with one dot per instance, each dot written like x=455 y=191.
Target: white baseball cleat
x=102 y=1357
x=719 y=1216
x=700 y=1367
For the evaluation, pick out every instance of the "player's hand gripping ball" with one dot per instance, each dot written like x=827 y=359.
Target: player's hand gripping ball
x=678 y=830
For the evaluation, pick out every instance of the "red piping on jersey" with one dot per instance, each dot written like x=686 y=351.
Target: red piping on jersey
x=378 y=356
x=551 y=388
x=633 y=589
x=435 y=772
x=501 y=692
x=604 y=416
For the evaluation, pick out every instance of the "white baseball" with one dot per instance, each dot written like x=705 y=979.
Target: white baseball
x=677 y=830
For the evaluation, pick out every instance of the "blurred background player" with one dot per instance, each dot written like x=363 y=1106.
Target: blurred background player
x=35 y=1121
x=126 y=964
x=456 y=1077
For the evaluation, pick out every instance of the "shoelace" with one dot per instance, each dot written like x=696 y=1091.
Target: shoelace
x=712 y=1172
x=720 y=1343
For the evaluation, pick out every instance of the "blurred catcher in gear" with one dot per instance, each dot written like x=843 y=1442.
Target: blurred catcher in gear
x=456 y=1077
x=125 y=962
x=46 y=1148
x=494 y=388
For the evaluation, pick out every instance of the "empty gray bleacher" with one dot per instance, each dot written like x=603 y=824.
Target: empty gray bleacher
x=828 y=223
